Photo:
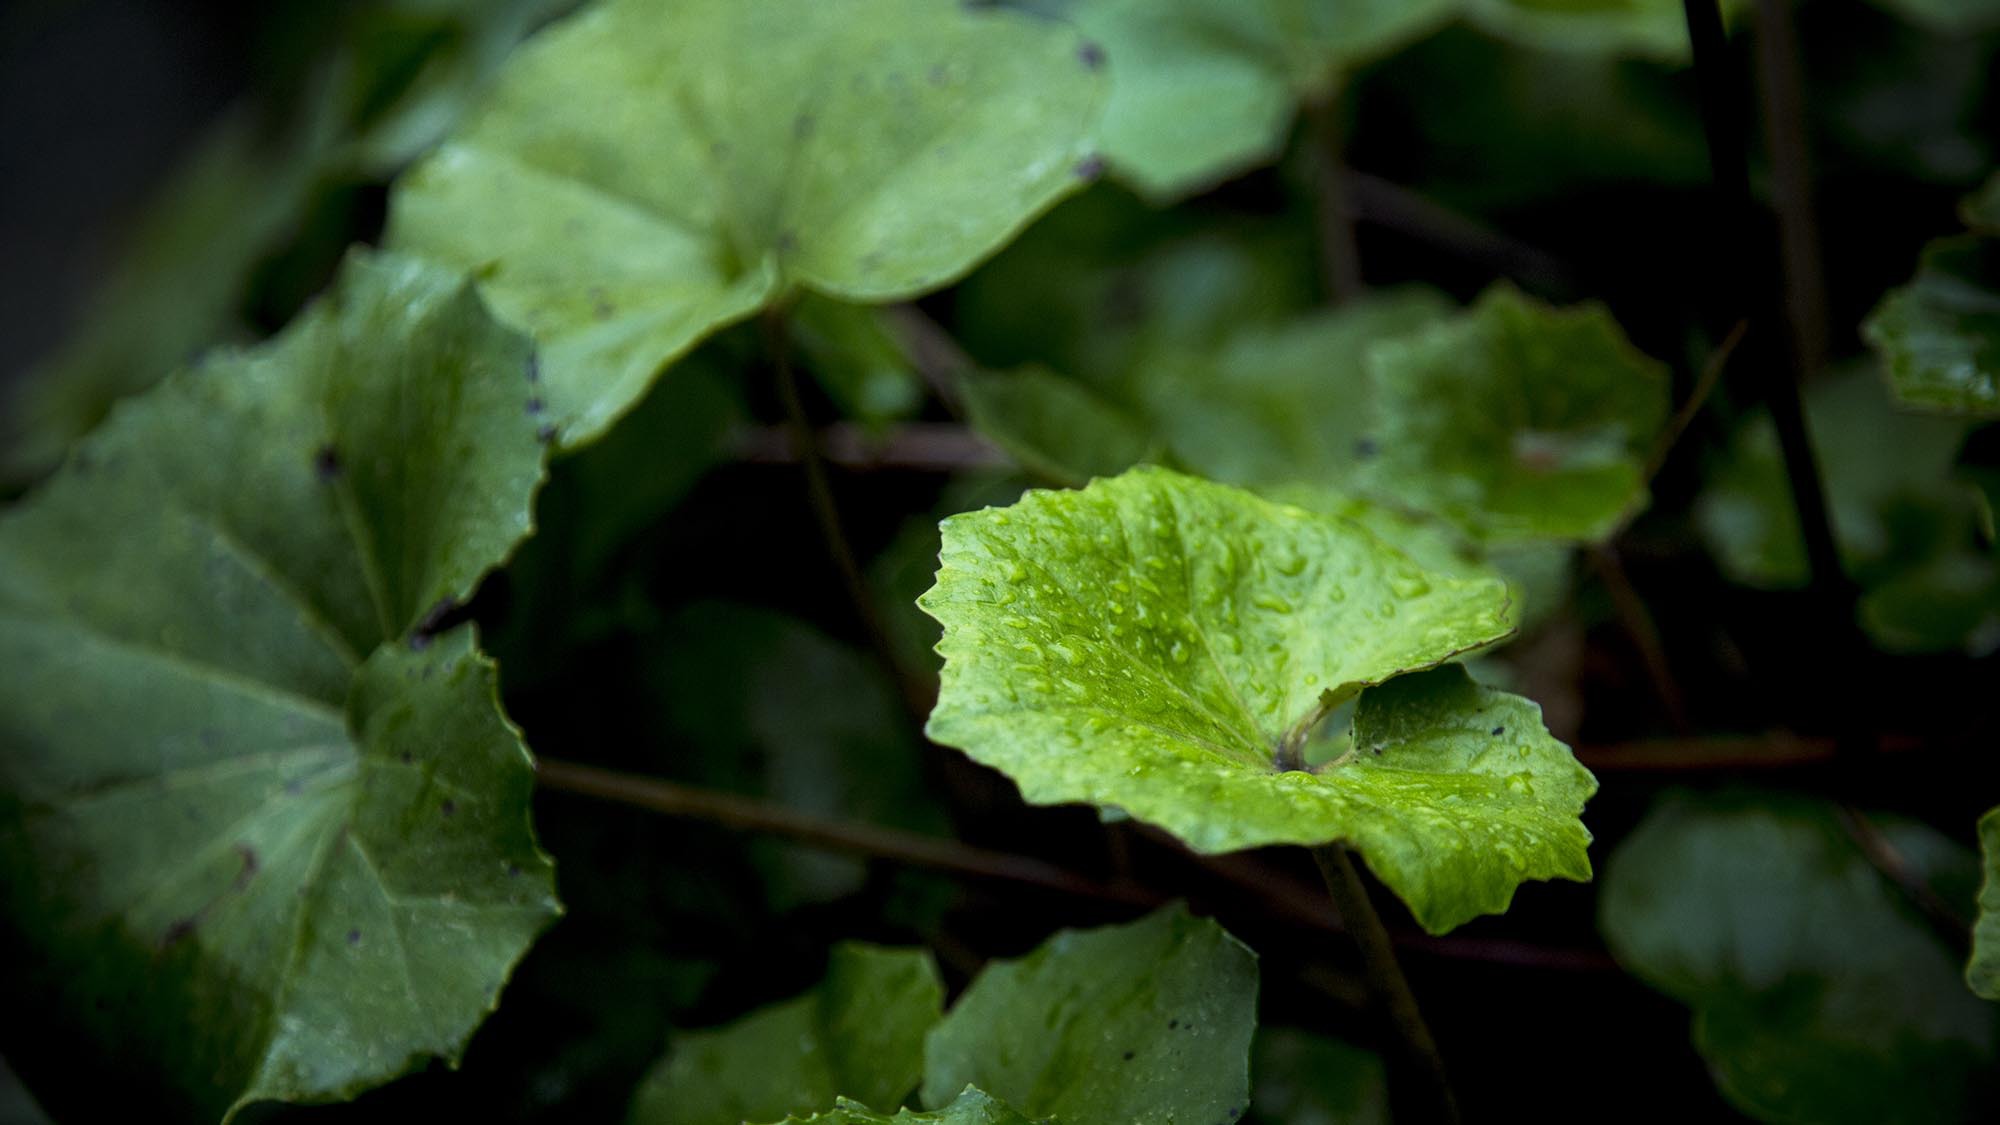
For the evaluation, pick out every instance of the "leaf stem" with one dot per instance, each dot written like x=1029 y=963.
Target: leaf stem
x=1392 y=991
x=1644 y=632
x=827 y=513
x=1340 y=261
x=750 y=814
x=1890 y=863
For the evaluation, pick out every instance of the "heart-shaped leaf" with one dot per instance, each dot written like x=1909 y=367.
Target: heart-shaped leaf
x=1517 y=420
x=1818 y=994
x=1202 y=89
x=1939 y=336
x=650 y=170
x=858 y=1034
x=1161 y=644
x=1149 y=1021
x=265 y=837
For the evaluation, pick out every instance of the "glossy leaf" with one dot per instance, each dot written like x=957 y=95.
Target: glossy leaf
x=266 y=836
x=1306 y=1079
x=1203 y=89
x=1148 y=1021
x=1939 y=336
x=859 y=1033
x=1151 y=642
x=648 y=170
x=1983 y=973
x=1818 y=995
x=971 y=1107
x=1517 y=420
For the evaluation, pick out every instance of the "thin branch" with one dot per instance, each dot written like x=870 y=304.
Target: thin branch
x=1644 y=632
x=1727 y=755
x=1791 y=182
x=1728 y=154
x=935 y=354
x=1889 y=861
x=749 y=814
x=1704 y=386
x=1339 y=260
x=1386 y=204
x=820 y=493
x=927 y=447
x=1392 y=990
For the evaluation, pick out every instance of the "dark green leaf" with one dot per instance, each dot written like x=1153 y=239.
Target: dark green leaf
x=859 y=1034
x=1939 y=336
x=1818 y=995
x=265 y=835
x=1149 y=1021
x=1983 y=973
x=1055 y=428
x=1305 y=1079
x=971 y=1107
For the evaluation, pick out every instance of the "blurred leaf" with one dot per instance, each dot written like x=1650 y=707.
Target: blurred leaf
x=1104 y=284
x=265 y=836
x=1959 y=16
x=1516 y=420
x=1905 y=103
x=1148 y=1021
x=1284 y=404
x=772 y=707
x=1506 y=125
x=859 y=1033
x=1204 y=89
x=1983 y=973
x=1641 y=27
x=1055 y=428
x=858 y=361
x=1304 y=1079
x=1939 y=336
x=971 y=1107
x=1818 y=995
x=650 y=171
x=1152 y=641
x=1981 y=209
x=1907 y=530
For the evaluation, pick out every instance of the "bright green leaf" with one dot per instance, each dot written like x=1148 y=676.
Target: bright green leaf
x=1983 y=973
x=1055 y=428
x=648 y=171
x=1818 y=995
x=859 y=1033
x=266 y=835
x=1203 y=89
x=1939 y=336
x=1150 y=643
x=971 y=1107
x=1148 y=1021
x=1517 y=420
x=1303 y=1079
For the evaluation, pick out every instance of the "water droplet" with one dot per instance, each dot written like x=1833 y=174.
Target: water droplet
x=1272 y=602
x=1291 y=564
x=1017 y=573
x=1521 y=783
x=1408 y=584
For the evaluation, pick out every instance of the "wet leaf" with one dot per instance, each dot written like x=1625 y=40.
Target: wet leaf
x=1939 y=336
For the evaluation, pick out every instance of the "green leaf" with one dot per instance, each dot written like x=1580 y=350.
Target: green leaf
x=265 y=835
x=1055 y=428
x=1981 y=209
x=1818 y=995
x=1148 y=1021
x=649 y=171
x=1964 y=17
x=1152 y=641
x=1517 y=420
x=971 y=1107
x=1204 y=89
x=1284 y=404
x=1304 y=1079
x=1982 y=974
x=859 y=1033
x=1939 y=336
x=1643 y=27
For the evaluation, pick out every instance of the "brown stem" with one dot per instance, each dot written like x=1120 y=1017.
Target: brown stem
x=928 y=447
x=1384 y=203
x=1725 y=755
x=752 y=815
x=1791 y=182
x=1392 y=991
x=1704 y=386
x=935 y=354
